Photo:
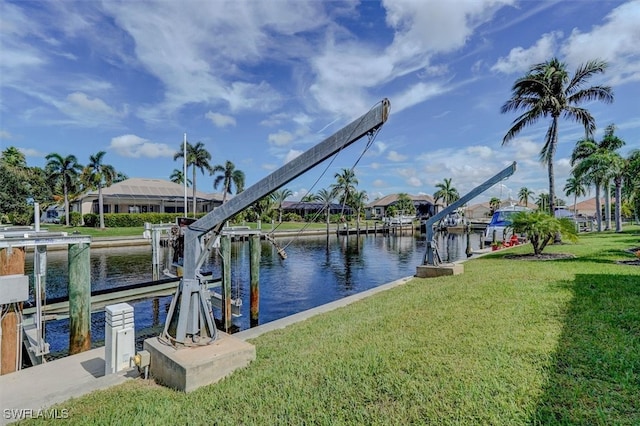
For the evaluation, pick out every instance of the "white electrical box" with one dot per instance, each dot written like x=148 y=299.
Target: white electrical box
x=119 y=337
x=13 y=288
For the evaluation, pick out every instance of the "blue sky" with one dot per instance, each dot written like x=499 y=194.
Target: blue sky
x=260 y=82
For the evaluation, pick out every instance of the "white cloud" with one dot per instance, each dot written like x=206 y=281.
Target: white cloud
x=483 y=152
x=281 y=138
x=617 y=41
x=396 y=157
x=5 y=135
x=520 y=59
x=220 y=120
x=78 y=100
x=136 y=147
x=379 y=183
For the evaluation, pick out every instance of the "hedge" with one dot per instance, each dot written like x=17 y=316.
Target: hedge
x=127 y=220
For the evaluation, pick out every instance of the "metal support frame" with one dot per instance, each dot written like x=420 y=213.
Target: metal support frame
x=194 y=319
x=431 y=253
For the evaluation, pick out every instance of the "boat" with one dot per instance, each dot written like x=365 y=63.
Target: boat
x=399 y=220
x=500 y=221
x=453 y=222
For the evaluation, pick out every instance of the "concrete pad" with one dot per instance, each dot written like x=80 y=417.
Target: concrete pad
x=428 y=271
x=186 y=369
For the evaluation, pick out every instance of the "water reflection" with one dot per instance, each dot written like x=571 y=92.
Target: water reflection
x=317 y=270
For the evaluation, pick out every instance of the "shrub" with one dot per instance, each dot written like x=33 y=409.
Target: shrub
x=75 y=218
x=291 y=217
x=541 y=228
x=91 y=220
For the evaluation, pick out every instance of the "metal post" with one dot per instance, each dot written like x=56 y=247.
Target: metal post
x=254 y=271
x=11 y=262
x=155 y=254
x=79 y=298
x=225 y=249
x=40 y=294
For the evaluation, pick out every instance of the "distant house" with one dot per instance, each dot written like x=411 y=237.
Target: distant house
x=424 y=204
x=588 y=207
x=303 y=208
x=478 y=211
x=141 y=195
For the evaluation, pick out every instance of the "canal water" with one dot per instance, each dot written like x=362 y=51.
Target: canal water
x=317 y=270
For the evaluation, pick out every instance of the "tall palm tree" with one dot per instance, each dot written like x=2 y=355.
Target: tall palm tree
x=65 y=172
x=198 y=158
x=524 y=195
x=601 y=163
x=358 y=200
x=632 y=181
x=177 y=176
x=446 y=192
x=345 y=185
x=278 y=198
x=575 y=186
x=543 y=201
x=326 y=197
x=96 y=174
x=546 y=91
x=229 y=177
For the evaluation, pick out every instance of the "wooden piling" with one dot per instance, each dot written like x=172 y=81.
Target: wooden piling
x=11 y=262
x=254 y=271
x=79 y=289
x=225 y=249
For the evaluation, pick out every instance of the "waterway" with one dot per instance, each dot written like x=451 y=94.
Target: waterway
x=317 y=270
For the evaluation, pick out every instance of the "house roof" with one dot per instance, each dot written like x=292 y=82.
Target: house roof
x=153 y=189
x=392 y=198
x=587 y=206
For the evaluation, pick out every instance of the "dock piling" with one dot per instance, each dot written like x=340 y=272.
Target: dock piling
x=254 y=271
x=225 y=249
x=11 y=262
x=79 y=289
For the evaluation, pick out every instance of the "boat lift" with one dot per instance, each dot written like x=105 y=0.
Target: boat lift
x=431 y=256
x=195 y=324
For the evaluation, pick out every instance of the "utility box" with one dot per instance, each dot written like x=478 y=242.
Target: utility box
x=13 y=289
x=119 y=337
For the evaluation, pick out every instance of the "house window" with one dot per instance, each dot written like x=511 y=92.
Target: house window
x=134 y=209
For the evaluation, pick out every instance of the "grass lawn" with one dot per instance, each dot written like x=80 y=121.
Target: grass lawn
x=508 y=342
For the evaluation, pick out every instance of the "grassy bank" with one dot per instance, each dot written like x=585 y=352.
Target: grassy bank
x=507 y=342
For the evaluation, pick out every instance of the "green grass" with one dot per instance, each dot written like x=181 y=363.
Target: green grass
x=509 y=342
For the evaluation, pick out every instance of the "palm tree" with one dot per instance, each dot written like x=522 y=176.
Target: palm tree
x=358 y=200
x=278 y=198
x=542 y=201
x=64 y=171
x=494 y=204
x=326 y=197
x=98 y=175
x=345 y=185
x=446 y=192
x=576 y=187
x=632 y=181
x=547 y=91
x=524 y=195
x=178 y=177
x=229 y=176
x=309 y=198
x=598 y=163
x=198 y=158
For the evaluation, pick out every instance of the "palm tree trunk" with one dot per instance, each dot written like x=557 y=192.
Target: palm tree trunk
x=100 y=206
x=552 y=177
x=618 y=213
x=193 y=192
x=598 y=212
x=607 y=206
x=66 y=205
x=575 y=207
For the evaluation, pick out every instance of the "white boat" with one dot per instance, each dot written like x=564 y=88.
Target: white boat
x=398 y=220
x=500 y=221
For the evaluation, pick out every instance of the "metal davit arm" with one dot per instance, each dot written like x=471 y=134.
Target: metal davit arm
x=429 y=257
x=194 y=317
